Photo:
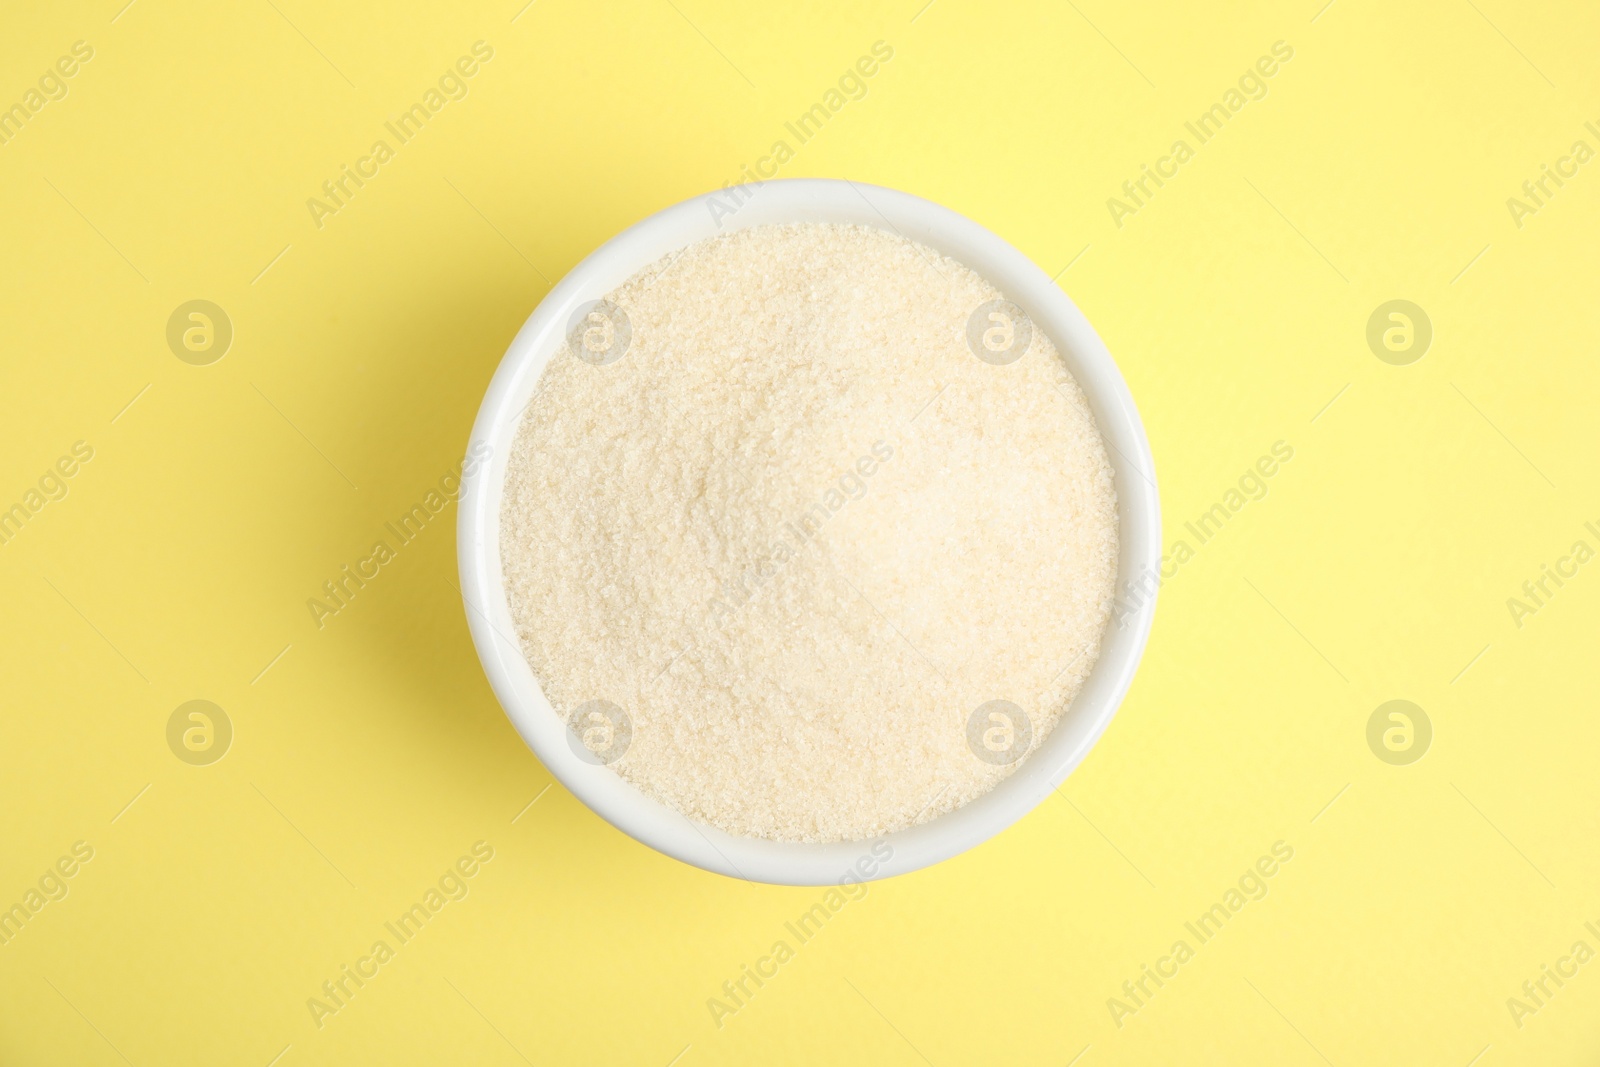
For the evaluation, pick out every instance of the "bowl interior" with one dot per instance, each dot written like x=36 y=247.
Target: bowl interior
x=810 y=200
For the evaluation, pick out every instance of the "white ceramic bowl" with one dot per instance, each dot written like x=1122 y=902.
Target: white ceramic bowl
x=489 y=616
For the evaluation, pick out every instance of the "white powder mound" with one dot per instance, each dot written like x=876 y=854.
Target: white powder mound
x=799 y=532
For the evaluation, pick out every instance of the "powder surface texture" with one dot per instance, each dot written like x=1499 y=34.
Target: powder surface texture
x=799 y=532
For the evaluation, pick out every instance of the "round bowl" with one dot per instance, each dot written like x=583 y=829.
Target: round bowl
x=1138 y=511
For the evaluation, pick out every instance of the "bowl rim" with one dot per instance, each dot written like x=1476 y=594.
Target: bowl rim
x=1116 y=416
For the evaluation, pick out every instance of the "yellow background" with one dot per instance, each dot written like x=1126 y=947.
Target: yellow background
x=372 y=754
